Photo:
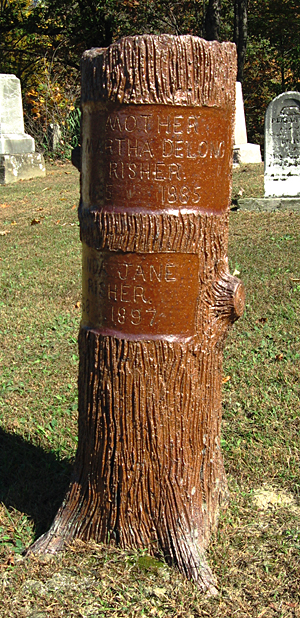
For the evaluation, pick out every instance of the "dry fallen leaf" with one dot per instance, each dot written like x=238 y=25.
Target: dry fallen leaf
x=75 y=206
x=11 y=560
x=263 y=612
x=13 y=223
x=67 y=172
x=5 y=232
x=35 y=222
x=4 y=205
x=159 y=592
x=226 y=379
x=77 y=305
x=279 y=357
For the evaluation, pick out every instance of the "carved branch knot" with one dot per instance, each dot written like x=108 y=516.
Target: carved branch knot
x=228 y=297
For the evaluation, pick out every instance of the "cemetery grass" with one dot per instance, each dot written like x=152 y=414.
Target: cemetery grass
x=255 y=551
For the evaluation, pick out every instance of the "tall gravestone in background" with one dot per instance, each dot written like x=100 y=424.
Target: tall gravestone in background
x=18 y=159
x=282 y=146
x=243 y=151
x=157 y=137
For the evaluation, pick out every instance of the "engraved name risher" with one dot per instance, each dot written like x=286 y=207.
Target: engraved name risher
x=156 y=158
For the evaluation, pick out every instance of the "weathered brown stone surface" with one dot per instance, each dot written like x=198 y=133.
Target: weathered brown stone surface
x=157 y=136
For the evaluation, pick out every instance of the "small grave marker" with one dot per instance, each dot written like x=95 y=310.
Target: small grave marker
x=18 y=159
x=243 y=151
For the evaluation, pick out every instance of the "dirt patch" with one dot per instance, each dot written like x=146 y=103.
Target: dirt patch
x=269 y=498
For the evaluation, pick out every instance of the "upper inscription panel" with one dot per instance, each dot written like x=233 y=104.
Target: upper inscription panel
x=152 y=158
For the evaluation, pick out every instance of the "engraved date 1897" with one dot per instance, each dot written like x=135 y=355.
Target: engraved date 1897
x=139 y=293
x=121 y=315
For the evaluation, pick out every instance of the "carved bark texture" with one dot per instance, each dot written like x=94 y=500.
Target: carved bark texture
x=173 y=70
x=149 y=470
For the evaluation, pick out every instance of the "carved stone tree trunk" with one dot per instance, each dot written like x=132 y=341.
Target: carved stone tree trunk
x=157 y=127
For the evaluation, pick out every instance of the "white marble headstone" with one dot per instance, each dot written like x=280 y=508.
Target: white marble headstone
x=243 y=152
x=13 y=139
x=11 y=110
x=240 y=131
x=282 y=146
x=18 y=159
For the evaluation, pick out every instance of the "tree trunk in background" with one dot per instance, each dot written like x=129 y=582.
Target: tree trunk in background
x=157 y=136
x=240 y=34
x=212 y=20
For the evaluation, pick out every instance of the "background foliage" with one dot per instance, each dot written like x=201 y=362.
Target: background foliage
x=41 y=41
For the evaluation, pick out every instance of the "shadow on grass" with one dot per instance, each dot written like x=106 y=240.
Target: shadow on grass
x=31 y=480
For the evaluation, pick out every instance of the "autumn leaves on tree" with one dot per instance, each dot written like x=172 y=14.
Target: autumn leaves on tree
x=42 y=42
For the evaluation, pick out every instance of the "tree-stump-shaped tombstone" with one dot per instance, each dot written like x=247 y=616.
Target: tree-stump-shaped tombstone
x=157 y=138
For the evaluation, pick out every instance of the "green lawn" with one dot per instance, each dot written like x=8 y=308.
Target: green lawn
x=256 y=551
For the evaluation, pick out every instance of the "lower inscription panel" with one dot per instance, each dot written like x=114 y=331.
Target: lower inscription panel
x=139 y=296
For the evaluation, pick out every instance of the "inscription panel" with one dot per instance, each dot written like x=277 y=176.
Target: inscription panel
x=140 y=296
x=156 y=158
x=286 y=136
